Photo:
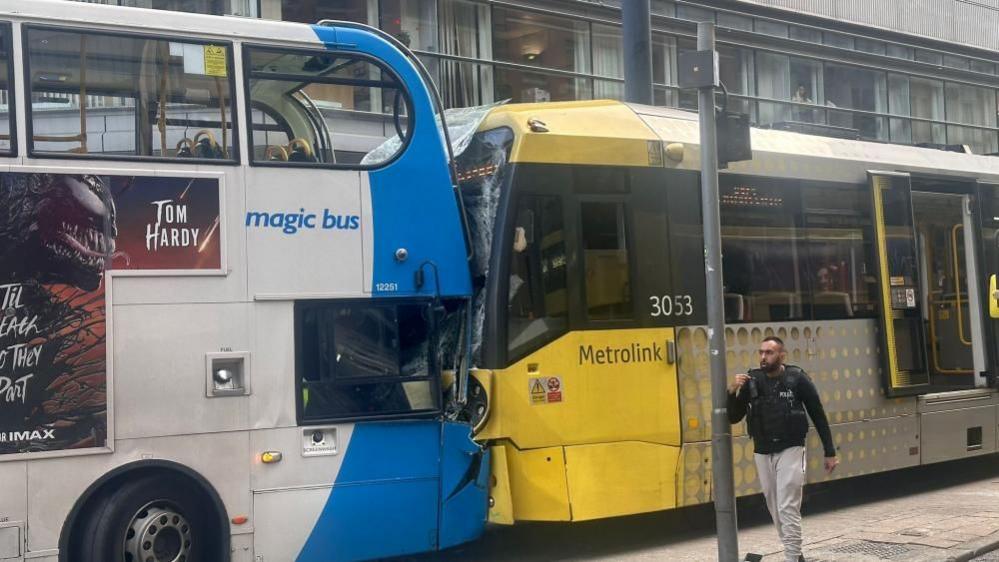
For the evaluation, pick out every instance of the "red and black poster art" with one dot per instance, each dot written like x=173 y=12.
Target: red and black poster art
x=60 y=236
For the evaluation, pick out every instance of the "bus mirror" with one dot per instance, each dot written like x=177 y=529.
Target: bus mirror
x=993 y=297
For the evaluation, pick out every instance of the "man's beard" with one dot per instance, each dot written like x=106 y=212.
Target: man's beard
x=769 y=368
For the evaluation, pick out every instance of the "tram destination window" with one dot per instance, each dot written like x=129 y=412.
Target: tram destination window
x=126 y=96
x=538 y=298
x=363 y=359
x=6 y=99
x=322 y=108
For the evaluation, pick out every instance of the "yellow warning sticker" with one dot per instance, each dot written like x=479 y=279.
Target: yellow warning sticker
x=215 y=60
x=537 y=391
x=545 y=390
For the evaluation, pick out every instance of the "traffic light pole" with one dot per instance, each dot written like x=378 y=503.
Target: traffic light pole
x=636 y=33
x=723 y=489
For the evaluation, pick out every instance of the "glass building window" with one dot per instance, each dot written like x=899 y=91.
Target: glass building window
x=837 y=40
x=464 y=32
x=664 y=71
x=541 y=40
x=971 y=105
x=928 y=57
x=985 y=67
x=788 y=79
x=735 y=21
x=694 y=13
x=869 y=46
x=926 y=99
x=899 y=51
x=664 y=8
x=6 y=100
x=959 y=63
x=899 y=130
x=857 y=88
x=530 y=87
x=312 y=11
x=91 y=95
x=605 y=258
x=771 y=28
x=806 y=34
x=736 y=70
x=608 y=60
x=412 y=22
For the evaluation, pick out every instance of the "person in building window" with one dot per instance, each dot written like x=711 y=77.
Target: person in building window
x=802 y=114
x=801 y=95
x=775 y=399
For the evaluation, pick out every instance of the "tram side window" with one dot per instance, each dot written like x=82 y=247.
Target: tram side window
x=6 y=100
x=113 y=95
x=324 y=108
x=839 y=234
x=763 y=252
x=360 y=360
x=605 y=257
x=538 y=298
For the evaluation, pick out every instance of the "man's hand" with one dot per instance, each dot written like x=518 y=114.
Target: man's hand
x=831 y=463
x=740 y=380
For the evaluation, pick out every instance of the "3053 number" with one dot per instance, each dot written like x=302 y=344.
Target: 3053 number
x=671 y=305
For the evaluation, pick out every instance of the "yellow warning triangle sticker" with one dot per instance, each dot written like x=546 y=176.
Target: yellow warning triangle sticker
x=537 y=387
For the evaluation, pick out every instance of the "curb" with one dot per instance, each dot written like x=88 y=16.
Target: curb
x=982 y=548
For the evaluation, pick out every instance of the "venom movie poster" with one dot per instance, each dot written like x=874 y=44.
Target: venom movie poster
x=60 y=234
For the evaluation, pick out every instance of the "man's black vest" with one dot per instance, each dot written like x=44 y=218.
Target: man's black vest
x=776 y=413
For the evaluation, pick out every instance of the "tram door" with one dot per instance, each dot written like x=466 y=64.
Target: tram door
x=989 y=196
x=931 y=322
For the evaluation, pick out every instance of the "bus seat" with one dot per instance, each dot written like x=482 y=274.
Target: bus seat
x=774 y=305
x=831 y=304
x=299 y=150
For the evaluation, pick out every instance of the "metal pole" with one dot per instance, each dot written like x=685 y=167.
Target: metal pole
x=723 y=488
x=636 y=35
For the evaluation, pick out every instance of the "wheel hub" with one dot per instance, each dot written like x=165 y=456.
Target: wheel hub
x=158 y=533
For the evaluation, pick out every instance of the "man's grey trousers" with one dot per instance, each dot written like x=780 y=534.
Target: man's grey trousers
x=781 y=476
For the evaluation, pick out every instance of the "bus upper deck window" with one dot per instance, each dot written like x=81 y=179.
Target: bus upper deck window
x=115 y=95
x=6 y=101
x=323 y=108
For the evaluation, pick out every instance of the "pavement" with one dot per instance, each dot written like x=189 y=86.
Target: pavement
x=955 y=523
x=942 y=512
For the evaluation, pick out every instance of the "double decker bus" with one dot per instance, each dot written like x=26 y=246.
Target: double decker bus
x=876 y=264
x=234 y=267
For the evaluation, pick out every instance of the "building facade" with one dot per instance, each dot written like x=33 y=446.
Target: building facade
x=898 y=71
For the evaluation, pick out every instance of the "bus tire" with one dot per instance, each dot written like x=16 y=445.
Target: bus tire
x=154 y=518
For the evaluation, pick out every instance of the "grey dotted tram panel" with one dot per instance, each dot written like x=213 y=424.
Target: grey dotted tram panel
x=841 y=357
x=872 y=433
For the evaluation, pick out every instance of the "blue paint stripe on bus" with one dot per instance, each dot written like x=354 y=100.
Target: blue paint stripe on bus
x=413 y=204
x=386 y=497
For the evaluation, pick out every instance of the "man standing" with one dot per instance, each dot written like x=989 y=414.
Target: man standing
x=775 y=397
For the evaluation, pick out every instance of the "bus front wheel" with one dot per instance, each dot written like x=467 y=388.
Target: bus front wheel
x=154 y=518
